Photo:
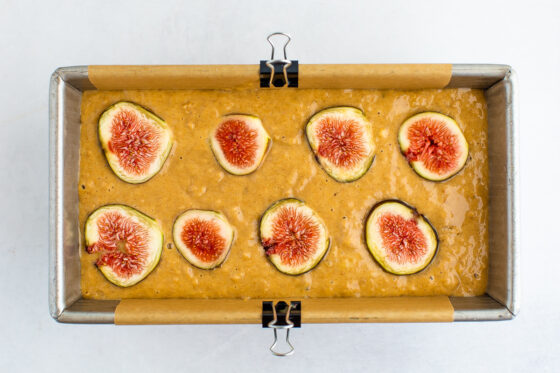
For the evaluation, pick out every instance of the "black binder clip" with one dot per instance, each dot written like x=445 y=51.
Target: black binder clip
x=279 y=72
x=281 y=315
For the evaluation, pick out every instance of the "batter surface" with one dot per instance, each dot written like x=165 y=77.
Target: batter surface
x=191 y=178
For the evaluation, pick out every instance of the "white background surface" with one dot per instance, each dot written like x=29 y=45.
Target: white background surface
x=37 y=38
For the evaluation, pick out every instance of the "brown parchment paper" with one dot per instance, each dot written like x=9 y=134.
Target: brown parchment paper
x=379 y=76
x=113 y=77
x=188 y=311
x=233 y=311
x=389 y=309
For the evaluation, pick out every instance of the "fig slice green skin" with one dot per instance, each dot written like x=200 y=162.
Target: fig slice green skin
x=260 y=140
x=407 y=217
x=143 y=226
x=454 y=134
x=217 y=231
x=150 y=122
x=266 y=233
x=352 y=166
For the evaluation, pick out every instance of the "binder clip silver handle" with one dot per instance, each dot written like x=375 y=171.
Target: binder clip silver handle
x=285 y=61
x=287 y=326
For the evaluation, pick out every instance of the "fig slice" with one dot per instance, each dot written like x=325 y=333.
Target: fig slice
x=240 y=143
x=203 y=237
x=128 y=243
x=434 y=145
x=135 y=141
x=342 y=140
x=401 y=240
x=294 y=237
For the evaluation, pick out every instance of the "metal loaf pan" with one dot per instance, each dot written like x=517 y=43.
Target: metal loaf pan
x=501 y=301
